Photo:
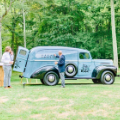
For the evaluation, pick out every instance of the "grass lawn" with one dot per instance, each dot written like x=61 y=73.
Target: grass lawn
x=80 y=100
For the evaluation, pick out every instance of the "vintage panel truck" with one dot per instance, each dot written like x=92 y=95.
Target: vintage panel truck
x=38 y=63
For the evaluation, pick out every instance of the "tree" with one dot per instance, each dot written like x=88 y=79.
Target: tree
x=24 y=33
x=76 y=23
x=1 y=18
x=115 y=53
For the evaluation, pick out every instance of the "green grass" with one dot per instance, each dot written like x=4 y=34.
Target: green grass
x=80 y=100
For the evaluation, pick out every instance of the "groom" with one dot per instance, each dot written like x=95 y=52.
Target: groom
x=61 y=67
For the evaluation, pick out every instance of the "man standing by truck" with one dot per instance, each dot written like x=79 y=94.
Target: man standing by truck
x=61 y=67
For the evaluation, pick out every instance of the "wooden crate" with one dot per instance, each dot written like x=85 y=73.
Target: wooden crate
x=1 y=76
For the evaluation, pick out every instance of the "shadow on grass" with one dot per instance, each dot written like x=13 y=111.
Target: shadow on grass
x=65 y=84
x=73 y=84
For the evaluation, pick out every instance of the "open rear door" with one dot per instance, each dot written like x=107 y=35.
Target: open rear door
x=21 y=59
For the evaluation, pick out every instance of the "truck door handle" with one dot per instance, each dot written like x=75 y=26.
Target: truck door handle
x=17 y=64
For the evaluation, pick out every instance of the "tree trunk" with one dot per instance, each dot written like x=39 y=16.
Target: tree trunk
x=115 y=54
x=13 y=30
x=12 y=41
x=0 y=41
x=24 y=33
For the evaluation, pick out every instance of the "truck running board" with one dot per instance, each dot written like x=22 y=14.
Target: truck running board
x=75 y=78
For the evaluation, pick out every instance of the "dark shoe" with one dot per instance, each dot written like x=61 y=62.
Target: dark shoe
x=9 y=87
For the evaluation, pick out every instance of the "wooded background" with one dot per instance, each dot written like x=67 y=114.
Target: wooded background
x=74 y=23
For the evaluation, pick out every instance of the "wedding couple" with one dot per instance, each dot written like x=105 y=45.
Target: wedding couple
x=7 y=60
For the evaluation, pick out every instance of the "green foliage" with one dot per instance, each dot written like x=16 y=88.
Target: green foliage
x=74 y=23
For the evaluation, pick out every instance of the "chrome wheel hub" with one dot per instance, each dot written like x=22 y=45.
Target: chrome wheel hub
x=108 y=77
x=51 y=78
x=70 y=69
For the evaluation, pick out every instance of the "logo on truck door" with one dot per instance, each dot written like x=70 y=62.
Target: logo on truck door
x=85 y=68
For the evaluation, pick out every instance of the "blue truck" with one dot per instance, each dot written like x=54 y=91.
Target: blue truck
x=38 y=63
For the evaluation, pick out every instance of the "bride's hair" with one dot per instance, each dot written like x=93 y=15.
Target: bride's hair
x=7 y=48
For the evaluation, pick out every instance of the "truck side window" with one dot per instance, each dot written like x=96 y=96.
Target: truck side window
x=81 y=56
x=84 y=56
x=22 y=52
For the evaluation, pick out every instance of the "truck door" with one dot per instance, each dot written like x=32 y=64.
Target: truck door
x=21 y=59
x=85 y=64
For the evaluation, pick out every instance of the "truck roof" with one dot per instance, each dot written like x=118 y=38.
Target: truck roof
x=57 y=48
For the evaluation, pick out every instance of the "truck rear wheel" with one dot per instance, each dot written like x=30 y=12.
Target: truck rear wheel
x=107 y=77
x=51 y=78
x=96 y=81
x=70 y=70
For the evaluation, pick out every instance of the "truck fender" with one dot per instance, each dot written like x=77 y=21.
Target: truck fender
x=97 y=72
x=39 y=74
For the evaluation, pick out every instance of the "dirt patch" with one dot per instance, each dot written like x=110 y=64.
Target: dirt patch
x=35 y=100
x=99 y=112
x=3 y=99
x=113 y=96
x=106 y=92
x=70 y=103
x=42 y=99
x=26 y=99
x=58 y=100
x=110 y=94
x=52 y=108
x=109 y=107
x=20 y=108
x=105 y=105
x=65 y=114
x=80 y=94
x=36 y=116
x=105 y=111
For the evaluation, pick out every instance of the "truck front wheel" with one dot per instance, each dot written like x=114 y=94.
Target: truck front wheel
x=51 y=78
x=107 y=77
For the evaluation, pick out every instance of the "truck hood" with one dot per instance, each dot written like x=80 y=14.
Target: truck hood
x=102 y=62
